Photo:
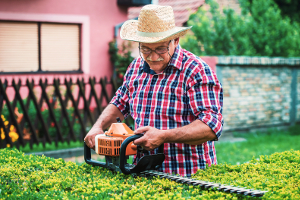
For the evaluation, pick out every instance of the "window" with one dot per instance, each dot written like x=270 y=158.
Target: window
x=39 y=47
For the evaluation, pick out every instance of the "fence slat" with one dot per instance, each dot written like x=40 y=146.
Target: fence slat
x=63 y=107
x=75 y=105
x=86 y=105
x=14 y=104
x=114 y=86
x=51 y=112
x=103 y=91
x=38 y=110
x=11 y=111
x=93 y=91
x=25 y=114
x=1 y=97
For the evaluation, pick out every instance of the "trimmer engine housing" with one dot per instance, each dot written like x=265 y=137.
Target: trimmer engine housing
x=116 y=145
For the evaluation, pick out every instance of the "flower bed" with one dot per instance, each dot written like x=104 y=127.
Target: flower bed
x=36 y=177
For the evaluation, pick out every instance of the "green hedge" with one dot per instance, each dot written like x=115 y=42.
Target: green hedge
x=33 y=177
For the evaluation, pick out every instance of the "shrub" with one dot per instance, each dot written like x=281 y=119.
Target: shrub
x=260 y=30
x=34 y=177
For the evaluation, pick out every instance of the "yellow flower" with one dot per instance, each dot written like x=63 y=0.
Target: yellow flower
x=14 y=136
x=11 y=128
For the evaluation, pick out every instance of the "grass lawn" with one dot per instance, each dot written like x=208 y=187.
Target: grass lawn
x=258 y=144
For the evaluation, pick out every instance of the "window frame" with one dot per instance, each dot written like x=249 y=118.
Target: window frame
x=40 y=71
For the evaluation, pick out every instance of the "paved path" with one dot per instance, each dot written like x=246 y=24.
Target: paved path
x=228 y=137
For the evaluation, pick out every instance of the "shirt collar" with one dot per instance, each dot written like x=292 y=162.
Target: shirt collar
x=176 y=61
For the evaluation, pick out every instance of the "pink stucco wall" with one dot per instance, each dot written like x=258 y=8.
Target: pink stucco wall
x=98 y=18
x=211 y=61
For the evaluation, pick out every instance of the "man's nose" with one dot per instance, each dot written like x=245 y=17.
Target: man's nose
x=154 y=56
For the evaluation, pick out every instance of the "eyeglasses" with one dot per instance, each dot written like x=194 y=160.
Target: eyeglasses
x=158 y=50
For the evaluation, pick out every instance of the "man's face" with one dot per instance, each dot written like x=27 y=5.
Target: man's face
x=158 y=62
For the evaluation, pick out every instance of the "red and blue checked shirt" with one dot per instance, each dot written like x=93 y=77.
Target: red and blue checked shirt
x=187 y=90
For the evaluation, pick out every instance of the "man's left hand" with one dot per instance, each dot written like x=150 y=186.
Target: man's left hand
x=152 y=138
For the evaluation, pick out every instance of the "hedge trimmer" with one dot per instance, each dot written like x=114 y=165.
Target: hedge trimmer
x=116 y=145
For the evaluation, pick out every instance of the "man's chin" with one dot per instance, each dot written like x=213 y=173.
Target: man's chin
x=156 y=66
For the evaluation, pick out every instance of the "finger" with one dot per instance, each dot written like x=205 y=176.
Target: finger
x=137 y=142
x=91 y=143
x=140 y=141
x=141 y=130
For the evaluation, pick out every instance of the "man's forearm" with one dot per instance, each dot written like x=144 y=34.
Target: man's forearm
x=195 y=133
x=108 y=116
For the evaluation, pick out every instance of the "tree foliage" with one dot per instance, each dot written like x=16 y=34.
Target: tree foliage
x=260 y=30
x=289 y=8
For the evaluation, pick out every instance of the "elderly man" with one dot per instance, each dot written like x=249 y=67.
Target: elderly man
x=173 y=96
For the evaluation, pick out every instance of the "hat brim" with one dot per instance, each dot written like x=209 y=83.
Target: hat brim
x=129 y=32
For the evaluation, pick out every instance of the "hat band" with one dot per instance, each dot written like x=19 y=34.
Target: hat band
x=155 y=34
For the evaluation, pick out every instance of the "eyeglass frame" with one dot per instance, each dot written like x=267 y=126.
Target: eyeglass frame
x=155 y=49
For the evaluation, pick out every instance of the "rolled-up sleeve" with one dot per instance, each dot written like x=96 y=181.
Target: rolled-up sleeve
x=205 y=95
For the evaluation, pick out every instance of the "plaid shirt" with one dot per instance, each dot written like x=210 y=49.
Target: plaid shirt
x=187 y=90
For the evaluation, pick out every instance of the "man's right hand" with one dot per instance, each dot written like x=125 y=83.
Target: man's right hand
x=90 y=137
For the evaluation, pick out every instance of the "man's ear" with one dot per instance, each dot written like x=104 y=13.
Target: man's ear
x=176 y=42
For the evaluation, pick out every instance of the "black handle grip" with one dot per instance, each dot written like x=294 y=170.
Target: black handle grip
x=123 y=151
x=88 y=158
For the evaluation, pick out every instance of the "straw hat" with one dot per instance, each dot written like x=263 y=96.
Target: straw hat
x=155 y=24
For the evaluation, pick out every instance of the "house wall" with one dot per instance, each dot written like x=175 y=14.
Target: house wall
x=98 y=18
x=259 y=92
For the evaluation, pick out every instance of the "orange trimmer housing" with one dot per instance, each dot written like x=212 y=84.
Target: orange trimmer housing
x=109 y=143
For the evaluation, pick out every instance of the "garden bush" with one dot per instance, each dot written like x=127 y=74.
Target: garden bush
x=33 y=177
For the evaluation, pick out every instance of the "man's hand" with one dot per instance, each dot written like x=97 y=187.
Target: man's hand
x=107 y=117
x=90 y=137
x=152 y=138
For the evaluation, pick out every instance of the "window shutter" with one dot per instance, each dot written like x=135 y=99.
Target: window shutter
x=18 y=47
x=60 y=47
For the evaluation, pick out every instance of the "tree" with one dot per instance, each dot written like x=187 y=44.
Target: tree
x=259 y=30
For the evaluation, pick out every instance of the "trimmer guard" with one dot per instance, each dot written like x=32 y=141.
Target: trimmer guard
x=148 y=162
